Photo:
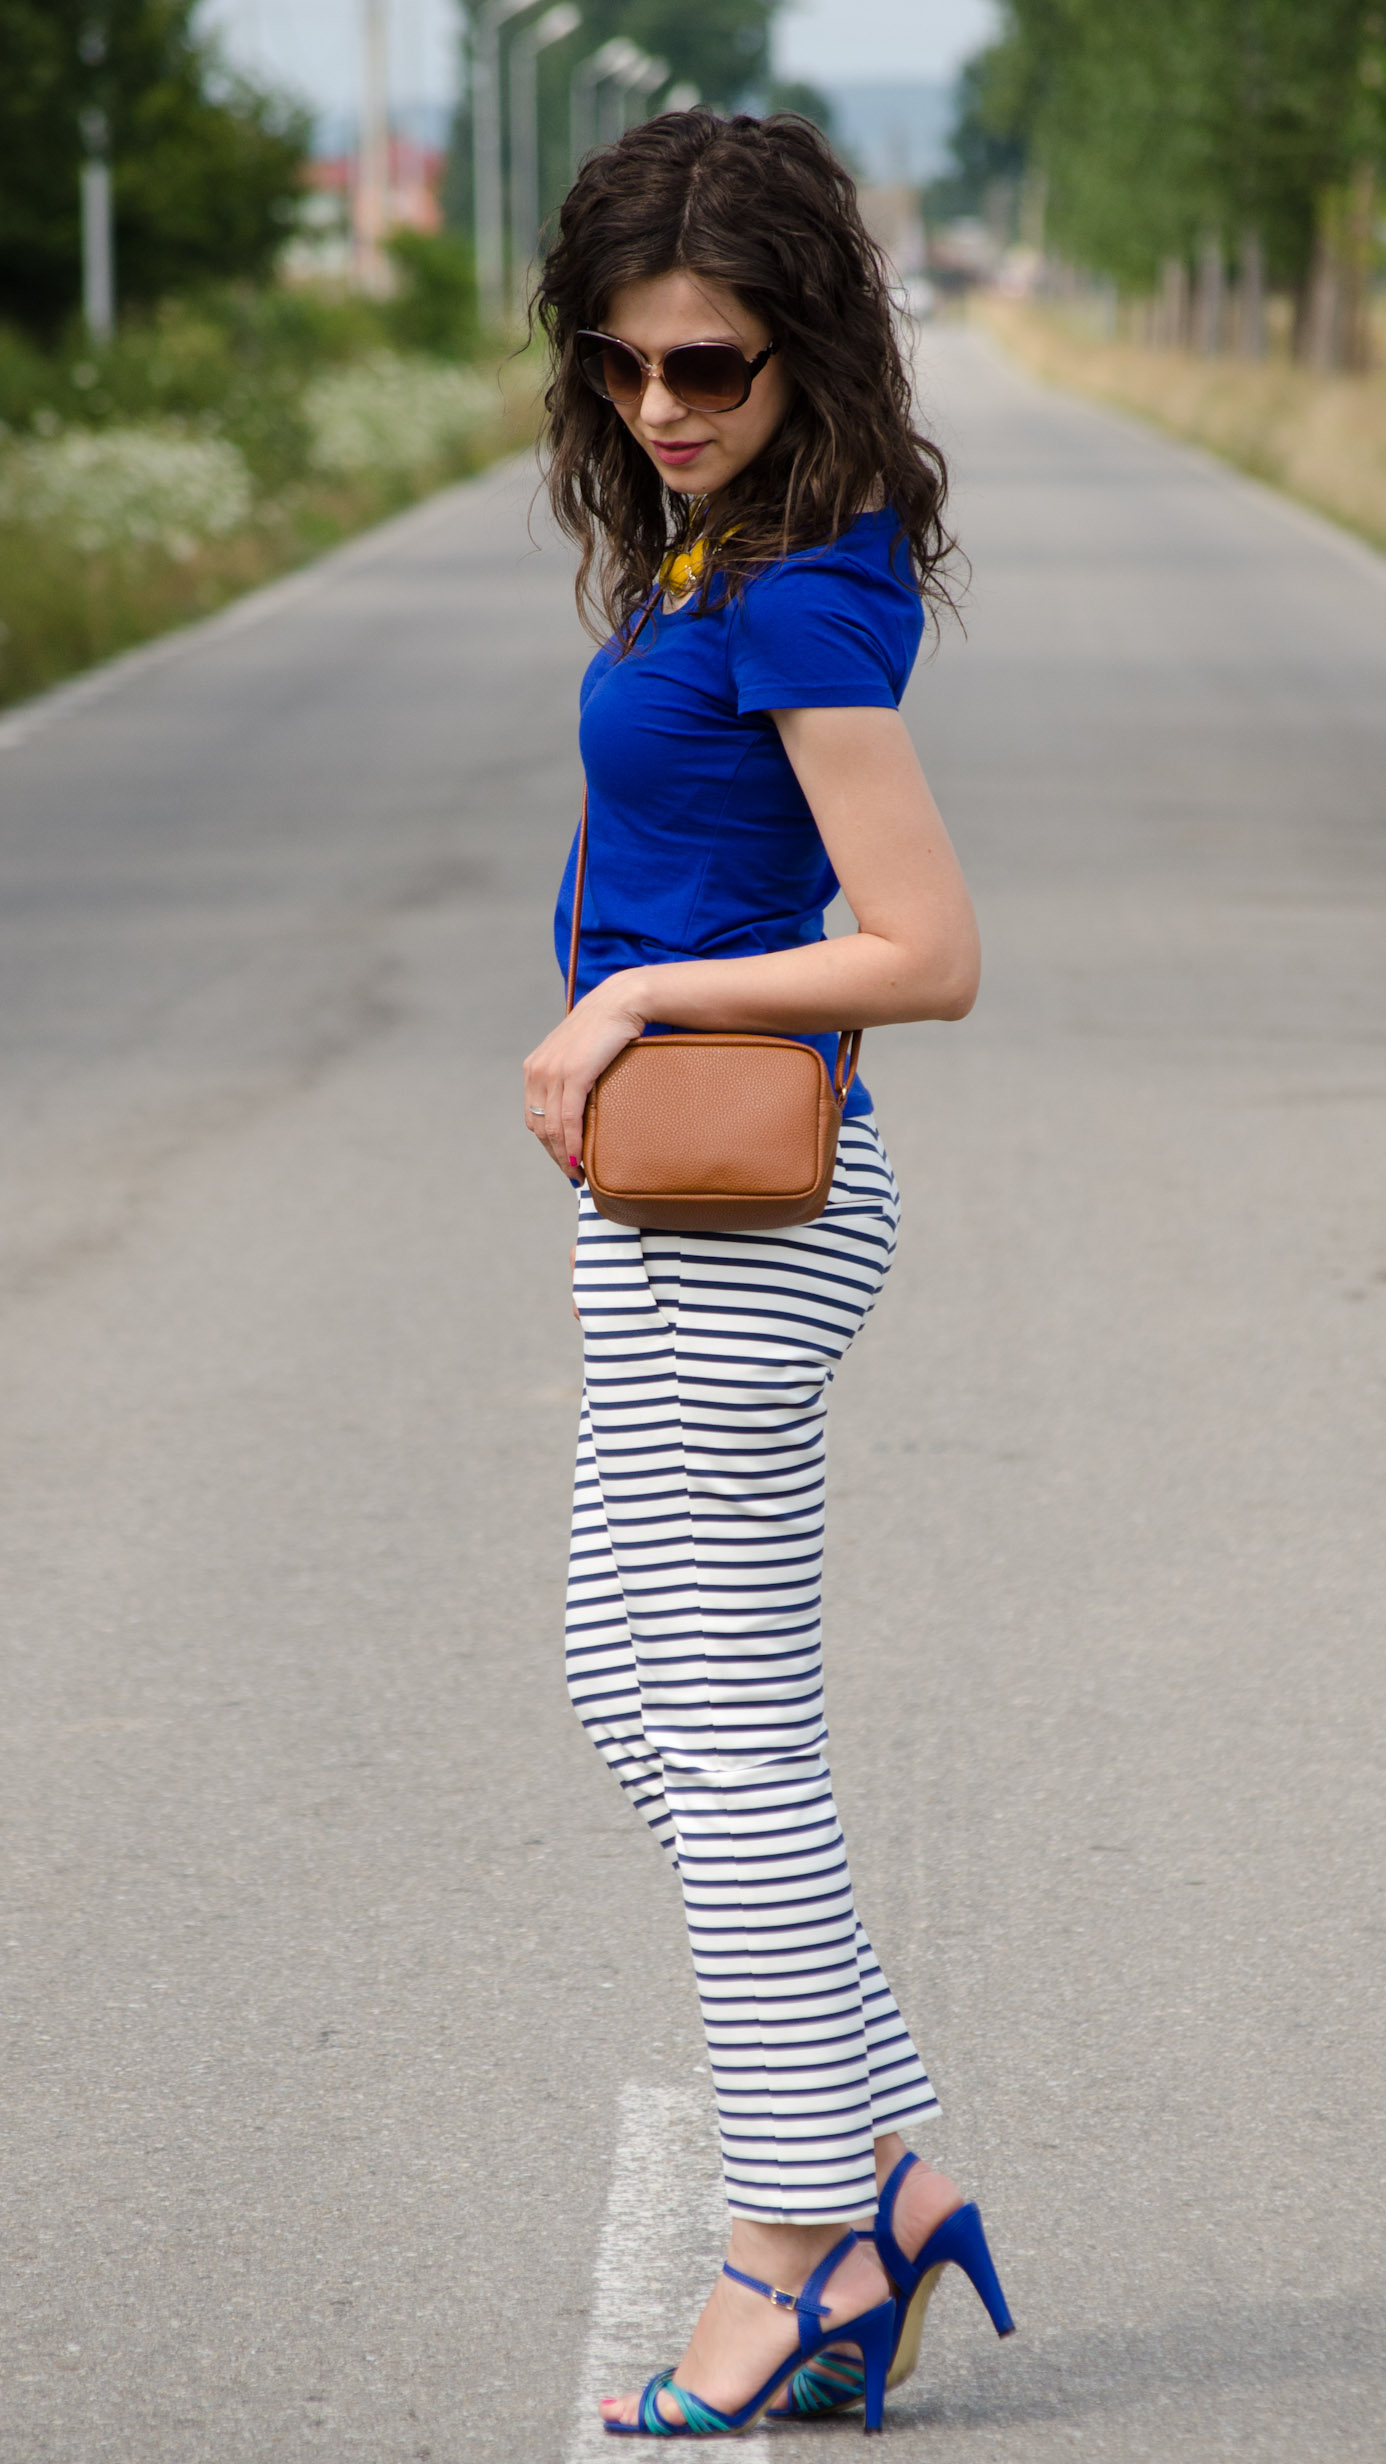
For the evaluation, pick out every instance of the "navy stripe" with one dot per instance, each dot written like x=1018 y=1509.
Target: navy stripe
x=694 y=1660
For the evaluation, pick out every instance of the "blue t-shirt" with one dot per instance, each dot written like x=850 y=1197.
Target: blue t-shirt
x=700 y=841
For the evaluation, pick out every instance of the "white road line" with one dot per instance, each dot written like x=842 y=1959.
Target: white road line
x=662 y=2242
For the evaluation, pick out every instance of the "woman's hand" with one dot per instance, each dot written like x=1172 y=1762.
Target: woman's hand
x=562 y=1071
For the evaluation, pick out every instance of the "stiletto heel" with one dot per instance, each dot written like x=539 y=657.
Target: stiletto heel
x=961 y=2242
x=875 y=2341
x=958 y=2242
x=836 y=2383
x=872 y=2332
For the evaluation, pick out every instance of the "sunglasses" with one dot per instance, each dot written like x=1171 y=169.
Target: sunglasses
x=703 y=376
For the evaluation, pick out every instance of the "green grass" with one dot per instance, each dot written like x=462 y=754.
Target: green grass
x=62 y=609
x=245 y=368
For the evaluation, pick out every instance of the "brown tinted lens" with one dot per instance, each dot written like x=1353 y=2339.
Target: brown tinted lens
x=610 y=369
x=706 y=376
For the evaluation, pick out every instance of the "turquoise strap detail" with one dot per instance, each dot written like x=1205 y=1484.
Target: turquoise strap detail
x=826 y=2387
x=699 y=2419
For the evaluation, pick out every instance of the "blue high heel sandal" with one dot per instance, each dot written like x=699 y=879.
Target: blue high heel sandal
x=873 y=2334
x=832 y=2387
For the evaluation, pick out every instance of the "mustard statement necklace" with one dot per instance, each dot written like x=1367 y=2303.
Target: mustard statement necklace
x=683 y=567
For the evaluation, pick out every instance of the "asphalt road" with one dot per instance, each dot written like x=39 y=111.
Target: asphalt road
x=353 y=2087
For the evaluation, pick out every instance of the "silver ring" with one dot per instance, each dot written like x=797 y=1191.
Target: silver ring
x=538 y=1111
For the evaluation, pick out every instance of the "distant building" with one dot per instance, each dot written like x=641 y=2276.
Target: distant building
x=331 y=239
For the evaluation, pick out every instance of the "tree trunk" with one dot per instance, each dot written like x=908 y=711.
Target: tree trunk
x=1174 y=304
x=1359 y=232
x=1251 y=297
x=1033 y=197
x=1208 y=298
x=1320 y=319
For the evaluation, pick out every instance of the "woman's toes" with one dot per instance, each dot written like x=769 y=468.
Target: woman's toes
x=627 y=2408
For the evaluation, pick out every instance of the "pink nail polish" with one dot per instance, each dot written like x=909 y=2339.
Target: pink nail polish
x=576 y=1162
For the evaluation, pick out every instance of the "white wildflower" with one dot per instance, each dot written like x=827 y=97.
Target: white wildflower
x=127 y=487
x=393 y=414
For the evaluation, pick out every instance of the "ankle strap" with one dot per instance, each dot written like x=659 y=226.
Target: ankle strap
x=806 y=2303
x=782 y=2301
x=897 y=2266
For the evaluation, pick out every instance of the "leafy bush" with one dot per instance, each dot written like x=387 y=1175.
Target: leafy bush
x=230 y=360
x=435 y=308
x=127 y=487
x=210 y=444
x=26 y=379
x=393 y=414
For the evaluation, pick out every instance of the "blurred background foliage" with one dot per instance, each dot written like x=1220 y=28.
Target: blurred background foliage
x=207 y=169
x=233 y=422
x=1203 y=176
x=1153 y=127
x=243 y=413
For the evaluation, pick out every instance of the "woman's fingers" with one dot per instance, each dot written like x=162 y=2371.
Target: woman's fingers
x=574 y=1106
x=544 y=1108
x=556 y=1120
x=554 y=1108
x=560 y=1146
x=561 y=1071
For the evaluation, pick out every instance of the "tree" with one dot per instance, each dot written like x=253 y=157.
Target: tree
x=1155 y=126
x=981 y=154
x=809 y=101
x=434 y=308
x=206 y=168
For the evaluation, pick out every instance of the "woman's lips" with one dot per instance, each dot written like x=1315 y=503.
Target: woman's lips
x=678 y=455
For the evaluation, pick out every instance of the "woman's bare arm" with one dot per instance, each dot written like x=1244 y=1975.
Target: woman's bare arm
x=914 y=955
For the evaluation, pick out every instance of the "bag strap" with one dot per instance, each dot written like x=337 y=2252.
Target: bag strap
x=579 y=880
x=848 y=1042
x=848 y=1049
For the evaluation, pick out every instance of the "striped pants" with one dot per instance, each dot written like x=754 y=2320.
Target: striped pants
x=695 y=1664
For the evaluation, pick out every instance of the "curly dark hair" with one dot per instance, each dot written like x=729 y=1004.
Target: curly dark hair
x=764 y=207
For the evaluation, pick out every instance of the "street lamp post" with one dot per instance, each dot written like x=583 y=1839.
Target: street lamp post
x=487 y=190
x=98 y=217
x=644 y=79
x=554 y=27
x=98 y=233
x=614 y=59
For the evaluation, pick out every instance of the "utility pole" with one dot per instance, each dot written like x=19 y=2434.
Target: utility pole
x=373 y=160
x=487 y=188
x=554 y=27
x=98 y=218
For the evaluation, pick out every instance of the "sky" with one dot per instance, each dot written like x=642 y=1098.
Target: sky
x=314 y=45
x=830 y=41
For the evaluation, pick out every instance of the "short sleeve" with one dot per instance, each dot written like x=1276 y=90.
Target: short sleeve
x=823 y=632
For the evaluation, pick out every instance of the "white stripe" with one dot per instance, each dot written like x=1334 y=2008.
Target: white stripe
x=695 y=1661
x=663 y=2240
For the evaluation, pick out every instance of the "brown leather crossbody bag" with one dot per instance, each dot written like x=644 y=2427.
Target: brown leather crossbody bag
x=719 y=1133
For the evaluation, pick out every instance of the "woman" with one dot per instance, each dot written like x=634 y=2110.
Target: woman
x=731 y=447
